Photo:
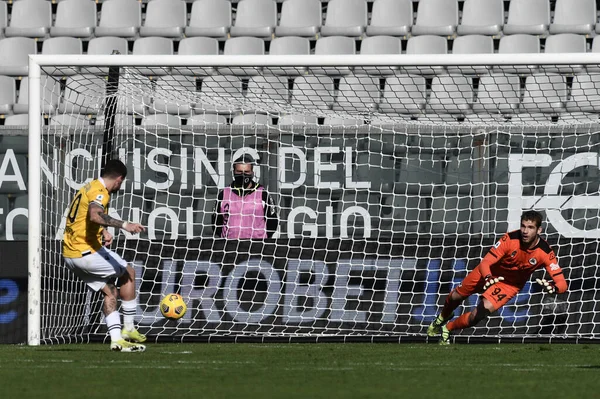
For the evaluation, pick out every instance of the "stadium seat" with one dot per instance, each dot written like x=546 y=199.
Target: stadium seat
x=313 y=92
x=84 y=94
x=166 y=18
x=289 y=45
x=75 y=18
x=134 y=95
x=17 y=120
x=499 y=93
x=210 y=18
x=14 y=55
x=298 y=120
x=565 y=43
x=300 y=18
x=427 y=44
x=255 y=18
x=243 y=46
x=391 y=17
x=252 y=119
x=121 y=18
x=50 y=88
x=161 y=121
x=124 y=121
x=450 y=94
x=8 y=94
x=333 y=45
x=345 y=18
x=574 y=16
x=472 y=44
x=220 y=93
x=482 y=17
x=106 y=45
x=335 y=120
x=436 y=17
x=175 y=95
x=517 y=44
x=357 y=93
x=76 y=121
x=268 y=91
x=206 y=119
x=403 y=94
x=528 y=17
x=545 y=93
x=197 y=46
x=379 y=45
x=585 y=93
x=3 y=17
x=153 y=46
x=62 y=45
x=29 y=18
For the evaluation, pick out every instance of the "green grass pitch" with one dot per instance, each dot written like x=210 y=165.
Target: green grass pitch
x=302 y=371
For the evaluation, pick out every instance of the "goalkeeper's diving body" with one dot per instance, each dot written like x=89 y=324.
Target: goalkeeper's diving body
x=500 y=275
x=97 y=265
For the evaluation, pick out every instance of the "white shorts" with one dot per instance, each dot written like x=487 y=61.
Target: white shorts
x=98 y=268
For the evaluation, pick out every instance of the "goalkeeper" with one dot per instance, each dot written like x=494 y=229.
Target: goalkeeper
x=97 y=265
x=245 y=209
x=500 y=275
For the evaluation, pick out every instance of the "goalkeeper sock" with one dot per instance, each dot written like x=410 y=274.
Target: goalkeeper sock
x=460 y=322
x=128 y=308
x=113 y=322
x=449 y=306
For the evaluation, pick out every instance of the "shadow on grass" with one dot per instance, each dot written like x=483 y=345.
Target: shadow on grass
x=589 y=366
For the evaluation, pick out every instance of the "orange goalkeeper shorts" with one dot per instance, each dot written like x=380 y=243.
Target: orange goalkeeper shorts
x=498 y=294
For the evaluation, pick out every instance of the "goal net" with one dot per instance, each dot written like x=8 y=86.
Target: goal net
x=391 y=176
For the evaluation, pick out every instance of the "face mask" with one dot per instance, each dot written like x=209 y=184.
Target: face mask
x=242 y=180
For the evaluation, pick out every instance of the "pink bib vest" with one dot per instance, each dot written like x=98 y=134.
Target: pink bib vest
x=243 y=217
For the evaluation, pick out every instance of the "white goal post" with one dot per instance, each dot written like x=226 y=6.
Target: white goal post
x=398 y=187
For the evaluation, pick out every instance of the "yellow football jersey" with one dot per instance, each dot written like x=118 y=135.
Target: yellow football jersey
x=82 y=235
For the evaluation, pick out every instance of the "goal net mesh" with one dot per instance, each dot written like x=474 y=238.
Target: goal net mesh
x=390 y=185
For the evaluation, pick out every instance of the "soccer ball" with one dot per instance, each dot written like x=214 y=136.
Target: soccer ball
x=173 y=307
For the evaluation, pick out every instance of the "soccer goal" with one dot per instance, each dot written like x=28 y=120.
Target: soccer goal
x=392 y=176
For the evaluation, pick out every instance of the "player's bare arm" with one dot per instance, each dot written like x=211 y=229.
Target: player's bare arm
x=97 y=215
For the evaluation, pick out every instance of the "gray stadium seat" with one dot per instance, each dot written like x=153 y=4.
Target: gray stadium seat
x=220 y=93
x=30 y=18
x=8 y=94
x=436 y=17
x=565 y=43
x=14 y=55
x=517 y=44
x=379 y=45
x=298 y=120
x=121 y=18
x=334 y=120
x=84 y=94
x=595 y=49
x=313 y=92
x=16 y=120
x=427 y=44
x=268 y=91
x=357 y=93
x=243 y=46
x=403 y=94
x=252 y=119
x=345 y=18
x=198 y=46
x=3 y=17
x=153 y=46
x=81 y=122
x=289 y=45
x=62 y=45
x=300 y=18
x=574 y=16
x=499 y=93
x=161 y=121
x=585 y=93
x=206 y=119
x=105 y=46
x=255 y=18
x=528 y=17
x=482 y=17
x=166 y=18
x=391 y=17
x=50 y=88
x=333 y=45
x=75 y=18
x=175 y=95
x=472 y=44
x=450 y=94
x=211 y=18
x=545 y=93
x=134 y=94
x=122 y=120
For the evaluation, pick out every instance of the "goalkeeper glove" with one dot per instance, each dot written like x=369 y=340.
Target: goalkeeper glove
x=547 y=286
x=491 y=280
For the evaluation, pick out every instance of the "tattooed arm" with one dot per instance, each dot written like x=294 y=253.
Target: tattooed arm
x=96 y=214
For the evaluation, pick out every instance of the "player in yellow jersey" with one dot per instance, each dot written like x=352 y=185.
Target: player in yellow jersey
x=97 y=265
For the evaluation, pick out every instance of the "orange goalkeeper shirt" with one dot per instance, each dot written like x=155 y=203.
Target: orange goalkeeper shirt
x=507 y=258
